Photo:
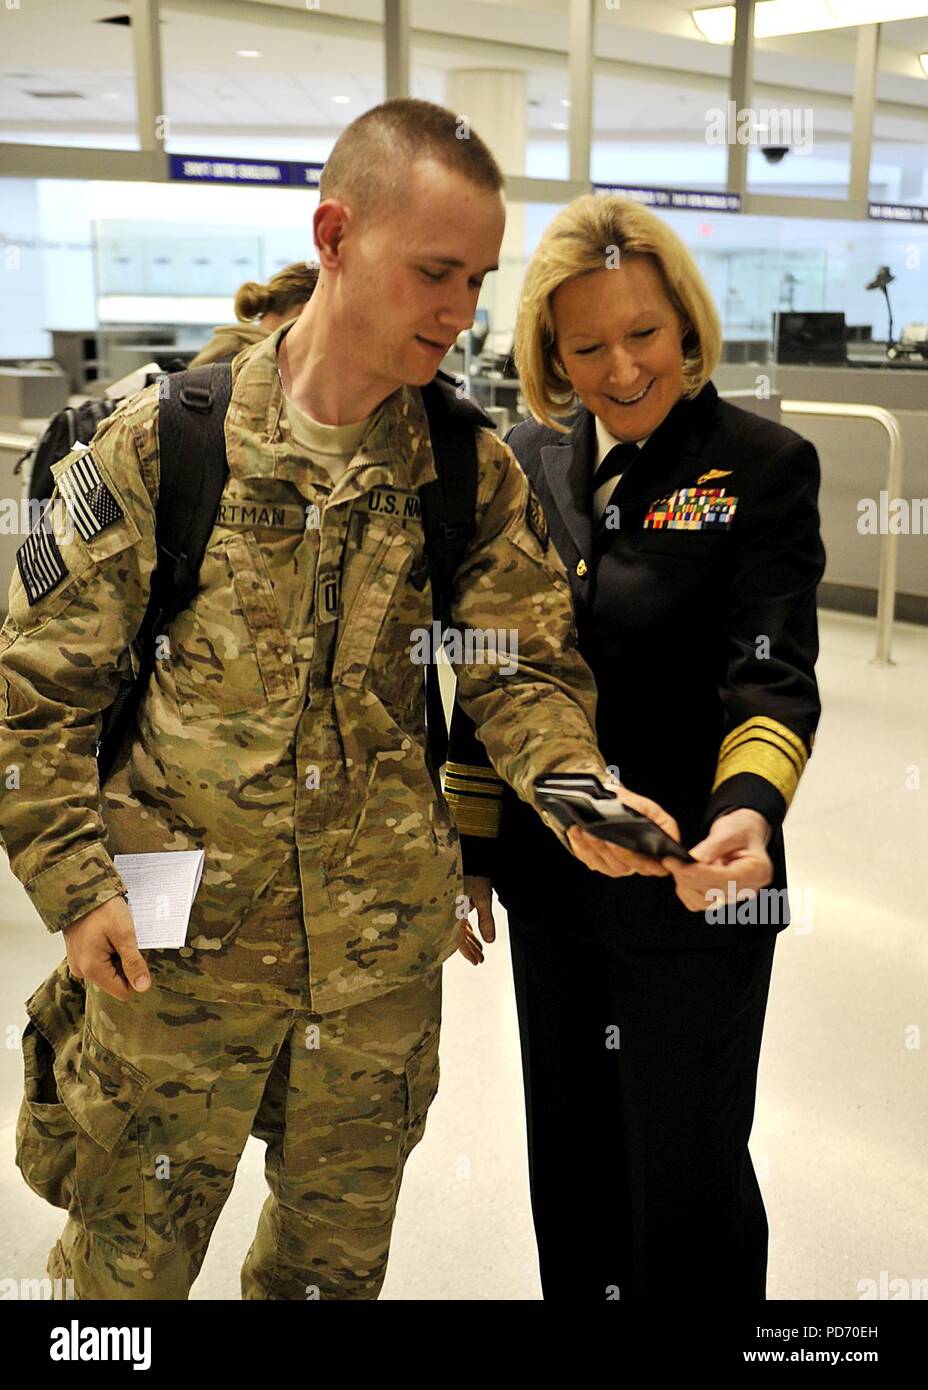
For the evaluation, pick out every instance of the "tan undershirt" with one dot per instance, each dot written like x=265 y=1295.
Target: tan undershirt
x=334 y=446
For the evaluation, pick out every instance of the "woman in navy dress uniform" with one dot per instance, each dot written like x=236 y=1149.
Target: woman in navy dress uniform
x=689 y=530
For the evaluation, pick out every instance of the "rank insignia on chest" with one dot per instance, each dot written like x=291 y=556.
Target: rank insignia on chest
x=91 y=506
x=692 y=509
x=714 y=473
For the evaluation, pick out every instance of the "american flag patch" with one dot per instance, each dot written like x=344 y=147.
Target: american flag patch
x=692 y=509
x=41 y=566
x=91 y=505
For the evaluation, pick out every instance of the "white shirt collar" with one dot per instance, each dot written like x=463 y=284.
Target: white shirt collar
x=606 y=441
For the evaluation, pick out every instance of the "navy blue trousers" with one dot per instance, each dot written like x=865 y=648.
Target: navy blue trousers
x=640 y=1071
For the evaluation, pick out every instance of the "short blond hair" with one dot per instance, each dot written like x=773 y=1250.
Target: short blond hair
x=581 y=238
x=370 y=162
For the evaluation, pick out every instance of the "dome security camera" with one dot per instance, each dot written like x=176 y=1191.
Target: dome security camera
x=774 y=154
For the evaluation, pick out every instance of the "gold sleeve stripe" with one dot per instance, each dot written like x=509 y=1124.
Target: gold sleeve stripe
x=475 y=788
x=475 y=796
x=766 y=748
x=762 y=722
x=466 y=786
x=472 y=770
x=475 y=815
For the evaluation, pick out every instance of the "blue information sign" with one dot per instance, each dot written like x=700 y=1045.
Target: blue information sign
x=897 y=212
x=270 y=173
x=681 y=199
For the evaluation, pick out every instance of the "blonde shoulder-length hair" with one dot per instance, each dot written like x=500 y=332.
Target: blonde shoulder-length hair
x=583 y=237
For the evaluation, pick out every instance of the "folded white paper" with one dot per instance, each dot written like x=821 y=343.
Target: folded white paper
x=161 y=890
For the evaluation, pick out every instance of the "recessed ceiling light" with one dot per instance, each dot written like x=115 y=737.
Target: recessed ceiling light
x=110 y=96
x=341 y=100
x=558 y=125
x=564 y=101
x=248 y=53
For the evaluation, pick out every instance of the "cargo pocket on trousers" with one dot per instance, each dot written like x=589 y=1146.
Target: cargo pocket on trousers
x=422 y=1075
x=45 y=1129
x=108 y=1167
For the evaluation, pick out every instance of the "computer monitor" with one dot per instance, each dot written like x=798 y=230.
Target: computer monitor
x=809 y=338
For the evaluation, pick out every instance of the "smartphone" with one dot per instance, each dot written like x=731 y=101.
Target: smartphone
x=579 y=798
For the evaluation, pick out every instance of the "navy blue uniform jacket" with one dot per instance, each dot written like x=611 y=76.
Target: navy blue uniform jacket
x=702 y=637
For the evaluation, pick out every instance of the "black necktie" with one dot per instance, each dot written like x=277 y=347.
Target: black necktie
x=616 y=461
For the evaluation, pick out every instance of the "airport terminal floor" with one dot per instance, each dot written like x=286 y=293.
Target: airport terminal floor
x=840 y=1095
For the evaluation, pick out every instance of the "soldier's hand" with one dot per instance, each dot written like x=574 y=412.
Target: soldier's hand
x=615 y=860
x=102 y=947
x=479 y=892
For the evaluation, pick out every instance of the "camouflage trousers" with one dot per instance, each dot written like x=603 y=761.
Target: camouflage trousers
x=135 y=1115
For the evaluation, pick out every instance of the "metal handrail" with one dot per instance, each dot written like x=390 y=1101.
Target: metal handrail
x=889 y=543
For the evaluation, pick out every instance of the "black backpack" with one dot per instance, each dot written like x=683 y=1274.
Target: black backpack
x=191 y=418
x=61 y=434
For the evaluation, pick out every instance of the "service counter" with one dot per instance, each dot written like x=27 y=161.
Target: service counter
x=854 y=454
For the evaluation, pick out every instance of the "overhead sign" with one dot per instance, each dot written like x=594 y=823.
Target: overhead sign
x=270 y=173
x=897 y=212
x=683 y=199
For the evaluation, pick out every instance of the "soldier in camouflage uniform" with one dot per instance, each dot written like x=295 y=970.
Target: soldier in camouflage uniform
x=283 y=733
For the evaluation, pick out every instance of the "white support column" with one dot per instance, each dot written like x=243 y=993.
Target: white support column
x=581 y=74
x=865 y=68
x=149 y=89
x=396 y=48
x=739 y=91
x=493 y=101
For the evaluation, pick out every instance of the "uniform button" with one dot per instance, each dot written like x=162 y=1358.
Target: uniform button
x=581 y=568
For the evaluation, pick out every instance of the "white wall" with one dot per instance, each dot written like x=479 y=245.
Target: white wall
x=46 y=268
x=21 y=272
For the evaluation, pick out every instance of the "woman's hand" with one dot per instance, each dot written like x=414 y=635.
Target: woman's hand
x=607 y=858
x=479 y=891
x=732 y=858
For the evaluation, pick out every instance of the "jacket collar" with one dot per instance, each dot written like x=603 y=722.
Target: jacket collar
x=259 y=444
x=567 y=471
x=666 y=459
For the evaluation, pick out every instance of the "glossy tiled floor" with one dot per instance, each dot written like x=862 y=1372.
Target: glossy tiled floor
x=841 y=1132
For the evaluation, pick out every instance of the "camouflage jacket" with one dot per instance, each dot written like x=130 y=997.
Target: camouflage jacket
x=285 y=712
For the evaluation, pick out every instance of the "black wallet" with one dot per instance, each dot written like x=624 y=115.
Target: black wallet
x=579 y=798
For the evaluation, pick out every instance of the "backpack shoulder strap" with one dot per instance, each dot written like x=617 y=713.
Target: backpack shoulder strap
x=191 y=439
x=449 y=506
x=449 y=502
x=191 y=436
